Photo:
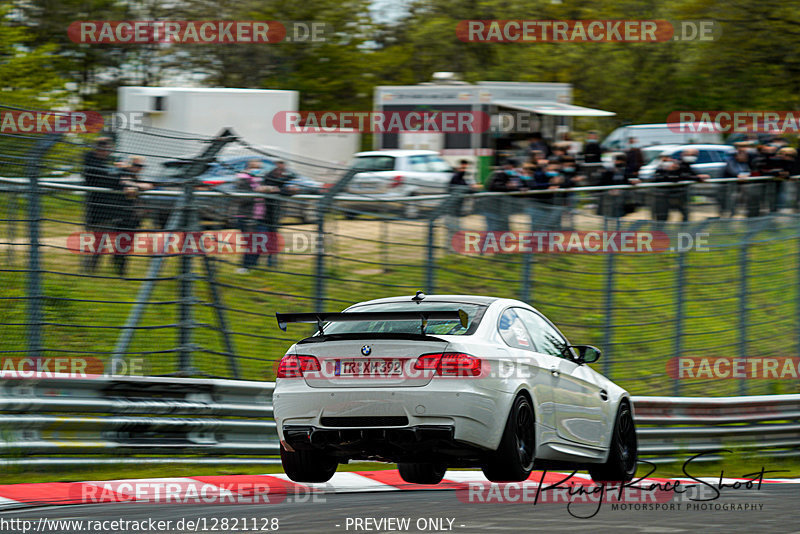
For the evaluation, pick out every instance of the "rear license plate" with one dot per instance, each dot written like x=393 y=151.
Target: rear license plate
x=366 y=367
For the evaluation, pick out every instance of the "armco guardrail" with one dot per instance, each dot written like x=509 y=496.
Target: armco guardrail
x=116 y=416
x=763 y=424
x=61 y=420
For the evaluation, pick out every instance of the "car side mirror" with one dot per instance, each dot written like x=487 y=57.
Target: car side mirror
x=587 y=353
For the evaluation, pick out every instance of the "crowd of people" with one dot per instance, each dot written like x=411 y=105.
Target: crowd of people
x=568 y=164
x=123 y=210
x=112 y=211
x=555 y=171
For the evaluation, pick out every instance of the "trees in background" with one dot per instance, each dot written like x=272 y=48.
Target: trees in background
x=753 y=65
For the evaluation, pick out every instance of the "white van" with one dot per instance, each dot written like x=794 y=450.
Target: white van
x=656 y=134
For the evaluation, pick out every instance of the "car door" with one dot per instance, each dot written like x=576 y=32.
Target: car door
x=580 y=402
x=525 y=362
x=706 y=163
x=376 y=174
x=418 y=175
x=439 y=175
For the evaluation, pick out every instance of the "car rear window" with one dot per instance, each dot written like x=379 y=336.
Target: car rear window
x=440 y=327
x=373 y=163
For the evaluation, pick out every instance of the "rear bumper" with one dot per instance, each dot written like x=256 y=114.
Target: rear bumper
x=416 y=443
x=473 y=416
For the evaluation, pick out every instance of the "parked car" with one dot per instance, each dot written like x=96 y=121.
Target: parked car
x=220 y=175
x=391 y=174
x=655 y=134
x=431 y=382
x=711 y=159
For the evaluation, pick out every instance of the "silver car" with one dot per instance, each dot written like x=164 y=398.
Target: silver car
x=711 y=159
x=392 y=174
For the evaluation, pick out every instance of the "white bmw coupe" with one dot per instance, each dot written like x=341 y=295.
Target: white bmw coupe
x=431 y=382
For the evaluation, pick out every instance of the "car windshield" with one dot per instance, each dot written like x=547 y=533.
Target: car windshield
x=373 y=163
x=649 y=154
x=450 y=327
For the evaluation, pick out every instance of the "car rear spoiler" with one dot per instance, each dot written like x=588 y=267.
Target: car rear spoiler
x=320 y=318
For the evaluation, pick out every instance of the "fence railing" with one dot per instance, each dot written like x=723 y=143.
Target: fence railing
x=63 y=421
x=736 y=295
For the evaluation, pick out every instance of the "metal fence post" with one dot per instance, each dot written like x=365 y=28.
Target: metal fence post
x=323 y=205
x=797 y=289
x=743 y=252
x=527 y=268
x=35 y=295
x=609 y=305
x=319 y=271
x=430 y=264
x=186 y=298
x=680 y=309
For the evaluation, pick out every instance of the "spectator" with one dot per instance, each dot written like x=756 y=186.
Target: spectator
x=766 y=163
x=634 y=158
x=103 y=209
x=666 y=199
x=592 y=153
x=572 y=147
x=541 y=209
x=536 y=143
x=616 y=202
x=502 y=180
x=251 y=210
x=276 y=181
x=128 y=211
x=738 y=166
x=552 y=204
x=133 y=184
x=458 y=187
x=786 y=160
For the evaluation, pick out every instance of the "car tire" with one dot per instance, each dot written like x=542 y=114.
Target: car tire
x=308 y=466
x=513 y=459
x=422 y=473
x=622 y=454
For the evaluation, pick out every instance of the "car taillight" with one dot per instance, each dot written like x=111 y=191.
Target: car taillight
x=293 y=366
x=397 y=181
x=213 y=182
x=450 y=364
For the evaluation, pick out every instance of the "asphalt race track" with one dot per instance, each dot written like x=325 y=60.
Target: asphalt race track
x=773 y=508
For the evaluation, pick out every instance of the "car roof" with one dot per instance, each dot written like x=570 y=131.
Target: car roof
x=465 y=299
x=660 y=147
x=397 y=153
x=660 y=125
x=707 y=146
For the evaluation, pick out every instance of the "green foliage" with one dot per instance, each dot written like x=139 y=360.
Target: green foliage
x=29 y=72
x=642 y=82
